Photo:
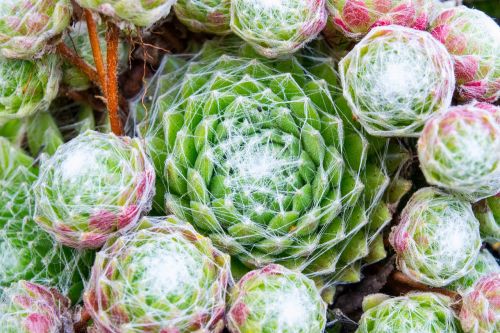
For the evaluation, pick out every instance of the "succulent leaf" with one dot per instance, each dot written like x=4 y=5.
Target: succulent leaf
x=161 y=277
x=26 y=251
x=93 y=186
x=437 y=240
x=415 y=312
x=26 y=307
x=277 y=27
x=459 y=150
x=275 y=299
x=395 y=78
x=473 y=40
x=27 y=87
x=210 y=16
x=27 y=26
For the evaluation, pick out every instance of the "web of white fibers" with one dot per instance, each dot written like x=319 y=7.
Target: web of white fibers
x=19 y=305
x=395 y=78
x=163 y=277
x=460 y=150
x=205 y=15
x=413 y=313
x=277 y=27
x=27 y=87
x=256 y=144
x=443 y=241
x=286 y=301
x=49 y=262
x=91 y=174
x=143 y=13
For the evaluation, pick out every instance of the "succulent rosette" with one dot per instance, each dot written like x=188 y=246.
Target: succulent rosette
x=480 y=311
x=485 y=264
x=473 y=40
x=141 y=13
x=355 y=18
x=27 y=26
x=278 y=27
x=93 y=186
x=162 y=277
x=258 y=155
x=77 y=38
x=27 y=87
x=488 y=213
x=458 y=150
x=27 y=307
x=26 y=251
x=437 y=240
x=415 y=312
x=275 y=299
x=395 y=78
x=210 y=16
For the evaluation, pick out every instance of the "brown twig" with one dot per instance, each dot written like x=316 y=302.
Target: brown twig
x=96 y=50
x=112 y=39
x=402 y=281
x=71 y=56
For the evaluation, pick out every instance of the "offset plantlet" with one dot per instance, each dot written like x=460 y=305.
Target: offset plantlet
x=480 y=311
x=26 y=307
x=485 y=264
x=355 y=18
x=26 y=251
x=77 y=38
x=277 y=27
x=27 y=87
x=275 y=299
x=93 y=186
x=141 y=13
x=458 y=150
x=437 y=239
x=395 y=78
x=256 y=154
x=162 y=277
x=415 y=312
x=210 y=16
x=473 y=40
x=488 y=213
x=29 y=27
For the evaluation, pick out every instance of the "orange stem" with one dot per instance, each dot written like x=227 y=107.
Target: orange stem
x=71 y=56
x=96 y=50
x=112 y=39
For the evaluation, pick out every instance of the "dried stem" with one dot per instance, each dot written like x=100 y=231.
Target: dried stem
x=96 y=50
x=71 y=56
x=404 y=281
x=112 y=39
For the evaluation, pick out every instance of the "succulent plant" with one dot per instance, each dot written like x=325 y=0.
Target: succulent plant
x=473 y=39
x=161 y=277
x=77 y=39
x=257 y=155
x=395 y=78
x=480 y=311
x=488 y=213
x=93 y=186
x=276 y=28
x=415 y=312
x=27 y=26
x=27 y=87
x=26 y=251
x=485 y=264
x=26 y=307
x=142 y=13
x=437 y=240
x=275 y=299
x=456 y=149
x=43 y=134
x=210 y=16
x=355 y=18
